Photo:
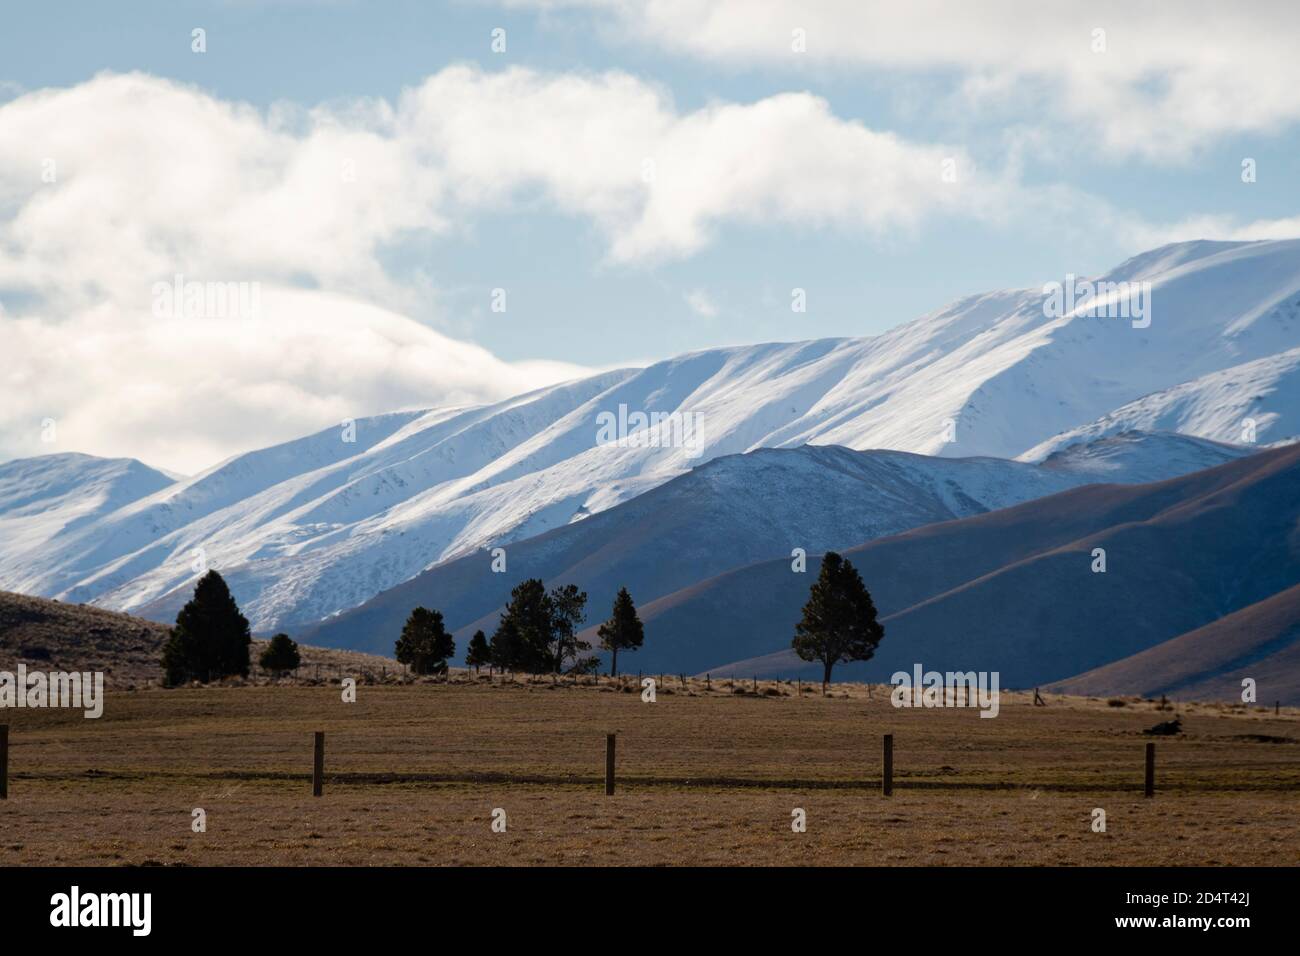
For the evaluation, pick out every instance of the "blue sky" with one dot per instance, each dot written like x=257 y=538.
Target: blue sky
x=1069 y=160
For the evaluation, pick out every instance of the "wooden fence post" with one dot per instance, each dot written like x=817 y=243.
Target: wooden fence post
x=4 y=761
x=887 y=781
x=609 y=765
x=1151 y=771
x=318 y=765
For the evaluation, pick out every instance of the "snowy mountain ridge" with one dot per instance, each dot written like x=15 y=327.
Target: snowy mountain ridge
x=318 y=525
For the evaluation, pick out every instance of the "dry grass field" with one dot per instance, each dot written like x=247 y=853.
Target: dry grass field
x=705 y=776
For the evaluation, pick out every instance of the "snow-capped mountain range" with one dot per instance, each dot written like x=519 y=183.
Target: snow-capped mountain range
x=315 y=526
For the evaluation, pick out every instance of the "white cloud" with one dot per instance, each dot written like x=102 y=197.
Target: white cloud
x=152 y=178
x=1144 y=235
x=1172 y=77
x=701 y=304
x=659 y=182
x=186 y=392
x=124 y=181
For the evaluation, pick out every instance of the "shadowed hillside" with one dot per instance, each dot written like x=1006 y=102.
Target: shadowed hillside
x=1013 y=591
x=735 y=511
x=1261 y=642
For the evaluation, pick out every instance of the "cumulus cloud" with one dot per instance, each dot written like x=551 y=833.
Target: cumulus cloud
x=150 y=177
x=115 y=185
x=125 y=179
x=1170 y=77
x=659 y=181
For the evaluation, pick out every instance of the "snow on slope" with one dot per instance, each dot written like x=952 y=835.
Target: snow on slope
x=1135 y=457
x=45 y=498
x=1219 y=405
x=741 y=509
x=316 y=526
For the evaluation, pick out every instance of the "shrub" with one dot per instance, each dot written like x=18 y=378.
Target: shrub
x=280 y=655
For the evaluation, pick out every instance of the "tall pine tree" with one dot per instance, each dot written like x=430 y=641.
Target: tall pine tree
x=506 y=646
x=478 y=653
x=567 y=605
x=623 y=630
x=211 y=638
x=839 y=621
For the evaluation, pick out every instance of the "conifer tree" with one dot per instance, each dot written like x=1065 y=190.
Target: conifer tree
x=623 y=630
x=568 y=612
x=425 y=643
x=839 y=621
x=211 y=638
x=505 y=647
x=538 y=632
x=280 y=655
x=528 y=637
x=478 y=653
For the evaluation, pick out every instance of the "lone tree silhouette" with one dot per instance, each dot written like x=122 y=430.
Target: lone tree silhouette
x=425 y=643
x=210 y=640
x=839 y=621
x=622 y=631
x=478 y=653
x=280 y=655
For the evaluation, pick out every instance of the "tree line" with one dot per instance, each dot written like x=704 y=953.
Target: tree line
x=538 y=632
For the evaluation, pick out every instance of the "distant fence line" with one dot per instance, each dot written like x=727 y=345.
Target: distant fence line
x=886 y=782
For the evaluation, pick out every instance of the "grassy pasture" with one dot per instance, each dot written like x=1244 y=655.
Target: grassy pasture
x=706 y=775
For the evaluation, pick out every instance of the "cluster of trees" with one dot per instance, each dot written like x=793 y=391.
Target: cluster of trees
x=537 y=634
x=538 y=631
x=210 y=639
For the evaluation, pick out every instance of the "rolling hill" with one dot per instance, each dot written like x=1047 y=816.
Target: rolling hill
x=1260 y=642
x=742 y=509
x=48 y=635
x=1013 y=590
